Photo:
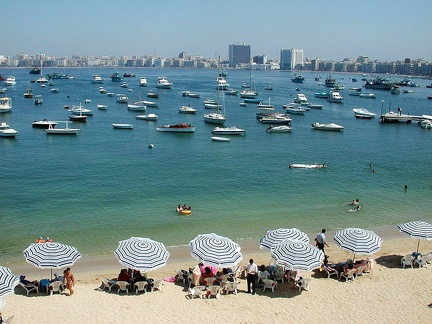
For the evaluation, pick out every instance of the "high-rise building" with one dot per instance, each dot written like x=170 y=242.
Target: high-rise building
x=290 y=58
x=239 y=53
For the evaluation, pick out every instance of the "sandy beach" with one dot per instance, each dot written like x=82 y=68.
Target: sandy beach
x=389 y=294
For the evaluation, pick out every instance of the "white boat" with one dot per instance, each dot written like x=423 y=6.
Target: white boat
x=102 y=90
x=137 y=106
x=308 y=166
x=363 y=113
x=190 y=94
x=38 y=100
x=228 y=131
x=177 y=128
x=102 y=107
x=265 y=106
x=62 y=131
x=276 y=119
x=55 y=90
x=220 y=139
x=355 y=92
x=335 y=97
x=87 y=100
x=5 y=131
x=367 y=95
x=249 y=94
x=143 y=82
x=426 y=124
x=122 y=126
x=97 y=79
x=5 y=104
x=44 y=123
x=315 y=106
x=279 y=129
x=121 y=98
x=328 y=127
x=295 y=110
x=231 y=92
x=150 y=103
x=187 y=110
x=244 y=104
x=221 y=83
x=41 y=80
x=163 y=83
x=124 y=85
x=10 y=81
x=217 y=117
x=110 y=94
x=80 y=110
x=147 y=117
x=300 y=98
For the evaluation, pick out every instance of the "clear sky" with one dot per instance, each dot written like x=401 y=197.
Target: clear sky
x=326 y=29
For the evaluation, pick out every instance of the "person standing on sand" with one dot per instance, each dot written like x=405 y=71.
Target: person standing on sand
x=70 y=280
x=252 y=275
x=321 y=240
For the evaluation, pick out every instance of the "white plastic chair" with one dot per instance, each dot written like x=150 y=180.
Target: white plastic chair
x=348 y=275
x=140 y=286
x=303 y=284
x=209 y=281
x=8 y=320
x=29 y=288
x=361 y=270
x=122 y=286
x=213 y=291
x=230 y=286
x=407 y=260
x=197 y=291
x=331 y=272
x=56 y=286
x=157 y=284
x=421 y=262
x=268 y=283
x=107 y=284
x=179 y=276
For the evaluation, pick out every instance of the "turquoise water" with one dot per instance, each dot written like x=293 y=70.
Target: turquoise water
x=105 y=185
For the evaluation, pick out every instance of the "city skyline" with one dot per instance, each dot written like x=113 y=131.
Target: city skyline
x=330 y=31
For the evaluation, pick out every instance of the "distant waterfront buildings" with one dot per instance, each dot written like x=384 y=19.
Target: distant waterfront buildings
x=291 y=59
x=239 y=54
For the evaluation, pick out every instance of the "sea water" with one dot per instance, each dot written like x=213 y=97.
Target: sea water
x=104 y=185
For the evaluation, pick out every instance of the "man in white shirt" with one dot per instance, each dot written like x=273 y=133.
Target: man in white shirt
x=321 y=240
x=252 y=272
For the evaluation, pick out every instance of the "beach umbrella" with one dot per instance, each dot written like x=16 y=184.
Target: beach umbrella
x=274 y=237
x=418 y=230
x=142 y=254
x=358 y=241
x=297 y=255
x=8 y=281
x=213 y=249
x=51 y=255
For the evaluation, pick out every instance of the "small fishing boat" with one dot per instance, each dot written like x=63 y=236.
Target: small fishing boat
x=308 y=166
x=220 y=139
x=279 y=129
x=327 y=127
x=148 y=117
x=122 y=126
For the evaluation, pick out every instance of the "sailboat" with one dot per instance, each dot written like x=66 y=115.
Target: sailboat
x=216 y=117
x=138 y=105
x=41 y=78
x=249 y=93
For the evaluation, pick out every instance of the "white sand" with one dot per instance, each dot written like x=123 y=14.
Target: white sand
x=389 y=295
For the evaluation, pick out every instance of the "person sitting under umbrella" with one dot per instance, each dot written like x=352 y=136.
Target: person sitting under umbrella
x=26 y=282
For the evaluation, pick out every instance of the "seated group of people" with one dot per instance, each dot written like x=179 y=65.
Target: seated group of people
x=180 y=208
x=344 y=267
x=42 y=240
x=200 y=273
x=131 y=276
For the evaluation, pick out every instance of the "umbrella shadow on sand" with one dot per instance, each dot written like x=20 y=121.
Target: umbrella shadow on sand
x=390 y=261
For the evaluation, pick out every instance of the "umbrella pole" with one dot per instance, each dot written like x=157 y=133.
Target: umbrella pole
x=354 y=257
x=418 y=245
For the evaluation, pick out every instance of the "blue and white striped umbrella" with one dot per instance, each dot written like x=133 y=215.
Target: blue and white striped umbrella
x=216 y=250
x=418 y=230
x=51 y=255
x=297 y=255
x=142 y=254
x=274 y=237
x=8 y=281
x=358 y=241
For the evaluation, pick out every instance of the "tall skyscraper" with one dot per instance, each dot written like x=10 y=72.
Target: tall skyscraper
x=239 y=53
x=290 y=58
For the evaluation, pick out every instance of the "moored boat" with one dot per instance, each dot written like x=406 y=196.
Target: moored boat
x=44 y=123
x=279 y=129
x=5 y=104
x=187 y=110
x=327 y=127
x=363 y=113
x=122 y=126
x=61 y=131
x=220 y=139
x=177 y=128
x=296 y=78
x=143 y=82
x=152 y=117
x=163 y=83
x=152 y=94
x=335 y=97
x=308 y=166
x=116 y=77
x=232 y=130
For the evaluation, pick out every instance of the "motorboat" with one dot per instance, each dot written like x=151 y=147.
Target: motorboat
x=177 y=128
x=276 y=119
x=116 y=77
x=5 y=104
x=122 y=126
x=61 y=131
x=80 y=110
x=148 y=117
x=128 y=75
x=121 y=98
x=10 y=81
x=78 y=118
x=163 y=83
x=279 y=129
x=143 y=82
x=315 y=106
x=322 y=94
x=110 y=94
x=28 y=93
x=152 y=94
x=41 y=79
x=380 y=83
x=150 y=103
x=87 y=101
x=38 y=100
x=190 y=94
x=295 y=110
x=329 y=82
x=124 y=85
x=300 y=98
x=35 y=70
x=101 y=107
x=102 y=90
x=228 y=131
x=97 y=79
x=187 y=110
x=367 y=95
x=339 y=86
x=215 y=118
x=308 y=166
x=137 y=106
x=426 y=124
x=221 y=83
x=335 y=97
x=220 y=139
x=395 y=90
x=44 y=123
x=5 y=131
x=231 y=92
x=244 y=104
x=249 y=94
x=297 y=78
x=363 y=113
x=269 y=87
x=55 y=90
x=327 y=127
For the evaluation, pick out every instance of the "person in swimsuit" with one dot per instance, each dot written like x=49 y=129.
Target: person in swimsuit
x=70 y=280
